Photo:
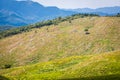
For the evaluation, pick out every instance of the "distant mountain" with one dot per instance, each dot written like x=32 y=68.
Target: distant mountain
x=3 y=28
x=101 y=11
x=11 y=18
x=18 y=13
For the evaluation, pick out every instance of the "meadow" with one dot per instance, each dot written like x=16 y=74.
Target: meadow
x=86 y=48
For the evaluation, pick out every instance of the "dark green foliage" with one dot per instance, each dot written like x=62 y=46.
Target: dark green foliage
x=59 y=18
x=69 y=21
x=55 y=21
x=118 y=15
x=7 y=66
x=3 y=78
x=87 y=33
x=105 y=77
x=86 y=30
x=14 y=31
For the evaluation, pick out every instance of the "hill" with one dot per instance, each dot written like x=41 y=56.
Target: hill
x=105 y=66
x=82 y=36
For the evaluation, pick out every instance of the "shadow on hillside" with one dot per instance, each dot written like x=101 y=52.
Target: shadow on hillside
x=108 y=77
x=3 y=78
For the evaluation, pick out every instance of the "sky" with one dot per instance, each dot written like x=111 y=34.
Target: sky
x=72 y=4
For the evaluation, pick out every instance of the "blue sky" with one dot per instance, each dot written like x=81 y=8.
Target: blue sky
x=79 y=3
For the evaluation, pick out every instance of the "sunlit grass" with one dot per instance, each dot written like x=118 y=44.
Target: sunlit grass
x=105 y=66
x=61 y=41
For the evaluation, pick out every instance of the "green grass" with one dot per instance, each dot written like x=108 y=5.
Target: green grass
x=105 y=66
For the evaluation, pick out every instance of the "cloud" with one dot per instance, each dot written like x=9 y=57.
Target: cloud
x=79 y=3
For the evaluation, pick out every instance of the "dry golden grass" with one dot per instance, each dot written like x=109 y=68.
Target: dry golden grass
x=62 y=40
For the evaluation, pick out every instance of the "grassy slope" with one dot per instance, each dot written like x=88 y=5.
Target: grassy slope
x=104 y=66
x=61 y=41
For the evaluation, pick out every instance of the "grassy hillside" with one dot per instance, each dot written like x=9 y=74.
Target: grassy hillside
x=87 y=35
x=105 y=66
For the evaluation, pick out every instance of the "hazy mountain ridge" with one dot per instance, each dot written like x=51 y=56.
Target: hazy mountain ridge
x=19 y=13
x=101 y=11
x=11 y=18
x=26 y=12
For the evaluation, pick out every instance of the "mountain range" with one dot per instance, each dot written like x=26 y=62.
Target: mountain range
x=20 y=13
x=100 y=11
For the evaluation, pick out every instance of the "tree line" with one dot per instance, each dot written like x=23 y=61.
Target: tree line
x=118 y=15
x=55 y=21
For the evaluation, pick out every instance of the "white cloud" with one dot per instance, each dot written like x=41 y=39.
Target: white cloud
x=79 y=3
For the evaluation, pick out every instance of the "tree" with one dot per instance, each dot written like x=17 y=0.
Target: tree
x=118 y=15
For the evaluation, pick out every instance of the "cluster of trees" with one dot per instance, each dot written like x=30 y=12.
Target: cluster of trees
x=118 y=15
x=13 y=31
x=55 y=21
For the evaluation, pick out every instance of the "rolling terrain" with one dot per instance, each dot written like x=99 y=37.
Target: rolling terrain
x=86 y=48
x=105 y=66
x=62 y=40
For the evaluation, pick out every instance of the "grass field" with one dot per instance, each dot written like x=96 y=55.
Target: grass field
x=105 y=66
x=62 y=40
x=86 y=49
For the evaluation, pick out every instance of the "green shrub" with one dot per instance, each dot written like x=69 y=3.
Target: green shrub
x=87 y=33
x=7 y=66
x=86 y=30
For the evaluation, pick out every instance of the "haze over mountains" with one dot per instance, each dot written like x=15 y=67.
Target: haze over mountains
x=20 y=13
x=101 y=11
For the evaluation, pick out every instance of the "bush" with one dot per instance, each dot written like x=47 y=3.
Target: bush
x=118 y=15
x=86 y=30
x=69 y=21
x=7 y=66
x=87 y=33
